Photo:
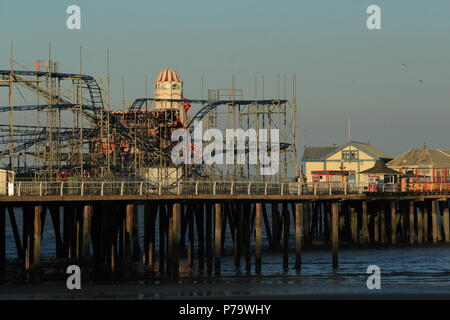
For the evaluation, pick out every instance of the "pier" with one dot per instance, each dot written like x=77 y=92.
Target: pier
x=96 y=224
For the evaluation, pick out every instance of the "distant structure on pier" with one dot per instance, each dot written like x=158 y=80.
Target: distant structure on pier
x=341 y=163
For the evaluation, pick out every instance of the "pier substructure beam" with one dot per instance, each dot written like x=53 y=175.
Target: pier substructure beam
x=446 y=222
x=434 y=222
x=86 y=231
x=200 y=219
x=2 y=243
x=209 y=238
x=354 y=224
x=69 y=232
x=383 y=223
x=365 y=224
x=335 y=233
x=258 y=247
x=149 y=234
x=191 y=217
x=286 y=225
x=247 y=235
x=32 y=236
x=420 y=223
x=298 y=236
x=176 y=226
x=37 y=234
x=393 y=222
x=127 y=239
x=426 y=211
x=162 y=237
x=217 y=237
x=412 y=232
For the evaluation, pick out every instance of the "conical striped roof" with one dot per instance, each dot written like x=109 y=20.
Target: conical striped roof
x=168 y=75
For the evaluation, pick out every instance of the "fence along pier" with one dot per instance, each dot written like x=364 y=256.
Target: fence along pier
x=96 y=224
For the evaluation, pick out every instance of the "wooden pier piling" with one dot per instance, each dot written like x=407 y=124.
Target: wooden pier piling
x=86 y=238
x=258 y=238
x=434 y=222
x=446 y=222
x=217 y=238
x=365 y=224
x=393 y=222
x=176 y=226
x=2 y=243
x=412 y=233
x=419 y=223
x=298 y=236
x=335 y=233
x=286 y=225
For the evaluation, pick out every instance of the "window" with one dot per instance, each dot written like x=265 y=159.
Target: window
x=175 y=87
x=350 y=155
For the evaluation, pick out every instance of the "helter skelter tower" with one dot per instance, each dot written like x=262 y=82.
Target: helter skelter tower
x=168 y=86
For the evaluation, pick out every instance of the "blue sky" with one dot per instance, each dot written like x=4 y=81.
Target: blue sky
x=343 y=69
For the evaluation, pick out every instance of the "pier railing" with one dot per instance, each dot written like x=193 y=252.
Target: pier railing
x=124 y=188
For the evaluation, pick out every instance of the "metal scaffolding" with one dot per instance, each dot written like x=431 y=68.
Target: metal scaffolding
x=76 y=135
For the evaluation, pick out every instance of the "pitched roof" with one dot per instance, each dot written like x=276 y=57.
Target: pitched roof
x=321 y=153
x=422 y=157
x=317 y=153
x=380 y=167
x=375 y=152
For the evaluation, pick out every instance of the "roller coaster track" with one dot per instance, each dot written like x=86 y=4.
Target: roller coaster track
x=96 y=104
x=207 y=107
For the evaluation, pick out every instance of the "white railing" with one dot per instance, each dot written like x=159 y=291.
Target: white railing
x=141 y=188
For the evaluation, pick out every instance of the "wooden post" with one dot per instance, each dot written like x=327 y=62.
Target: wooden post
x=426 y=234
x=27 y=242
x=128 y=235
x=246 y=211
x=176 y=210
x=434 y=223
x=298 y=235
x=335 y=233
x=149 y=235
x=267 y=226
x=135 y=236
x=170 y=241
x=237 y=229
x=365 y=227
x=86 y=238
x=393 y=222
x=68 y=234
x=190 y=212
x=285 y=237
x=258 y=238
x=445 y=222
x=354 y=224
x=383 y=223
x=37 y=235
x=208 y=233
x=419 y=223
x=162 y=238
x=217 y=237
x=412 y=233
x=201 y=236
x=376 y=227
x=2 y=242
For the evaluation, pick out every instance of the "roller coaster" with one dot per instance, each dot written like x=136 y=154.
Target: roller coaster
x=76 y=137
